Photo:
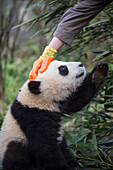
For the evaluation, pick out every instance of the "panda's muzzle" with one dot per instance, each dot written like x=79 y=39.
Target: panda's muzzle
x=80 y=75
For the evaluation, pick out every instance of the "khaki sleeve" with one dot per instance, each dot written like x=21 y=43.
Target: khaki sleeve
x=76 y=18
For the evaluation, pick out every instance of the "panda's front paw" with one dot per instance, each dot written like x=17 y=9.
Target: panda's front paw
x=99 y=74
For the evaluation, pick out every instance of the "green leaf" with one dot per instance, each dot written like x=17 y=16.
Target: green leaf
x=96 y=23
x=25 y=22
x=109 y=102
x=33 y=23
x=100 y=56
x=106 y=143
x=81 y=51
x=97 y=50
x=94 y=140
x=69 y=137
x=110 y=88
x=32 y=7
x=48 y=26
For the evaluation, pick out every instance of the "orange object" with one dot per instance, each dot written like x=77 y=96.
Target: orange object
x=45 y=63
x=42 y=64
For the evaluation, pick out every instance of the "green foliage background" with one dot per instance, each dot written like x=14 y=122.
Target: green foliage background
x=89 y=132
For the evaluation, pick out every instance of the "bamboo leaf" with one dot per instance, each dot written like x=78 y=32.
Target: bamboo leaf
x=81 y=51
x=69 y=137
x=100 y=56
x=94 y=140
x=25 y=22
x=96 y=23
x=110 y=87
x=97 y=50
x=48 y=26
x=32 y=7
x=33 y=23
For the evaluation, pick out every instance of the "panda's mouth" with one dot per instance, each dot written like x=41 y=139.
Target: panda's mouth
x=80 y=75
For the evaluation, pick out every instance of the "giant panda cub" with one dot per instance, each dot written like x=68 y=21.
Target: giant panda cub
x=32 y=136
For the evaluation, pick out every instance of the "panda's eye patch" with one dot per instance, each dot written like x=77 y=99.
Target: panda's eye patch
x=63 y=70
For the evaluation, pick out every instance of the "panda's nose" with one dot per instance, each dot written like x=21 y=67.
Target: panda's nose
x=80 y=65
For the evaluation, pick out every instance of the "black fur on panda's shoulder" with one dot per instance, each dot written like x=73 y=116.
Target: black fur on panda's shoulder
x=41 y=128
x=35 y=119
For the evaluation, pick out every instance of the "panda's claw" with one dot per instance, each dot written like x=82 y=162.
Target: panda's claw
x=103 y=65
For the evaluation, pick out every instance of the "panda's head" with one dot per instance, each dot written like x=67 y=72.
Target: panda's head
x=57 y=83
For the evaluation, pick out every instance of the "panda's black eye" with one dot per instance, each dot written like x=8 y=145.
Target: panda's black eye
x=63 y=70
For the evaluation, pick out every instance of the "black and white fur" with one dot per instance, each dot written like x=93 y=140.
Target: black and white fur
x=32 y=135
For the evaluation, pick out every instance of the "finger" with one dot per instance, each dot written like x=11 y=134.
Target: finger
x=45 y=64
x=31 y=75
x=37 y=64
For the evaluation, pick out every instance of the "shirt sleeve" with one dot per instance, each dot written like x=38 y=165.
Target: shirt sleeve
x=76 y=18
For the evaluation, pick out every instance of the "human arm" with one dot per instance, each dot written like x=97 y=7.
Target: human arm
x=70 y=25
x=74 y=19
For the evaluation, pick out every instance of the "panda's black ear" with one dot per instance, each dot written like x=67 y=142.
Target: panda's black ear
x=34 y=87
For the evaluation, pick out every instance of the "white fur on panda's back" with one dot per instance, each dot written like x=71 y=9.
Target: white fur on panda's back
x=10 y=132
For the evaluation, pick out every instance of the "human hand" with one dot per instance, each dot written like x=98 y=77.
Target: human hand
x=42 y=63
